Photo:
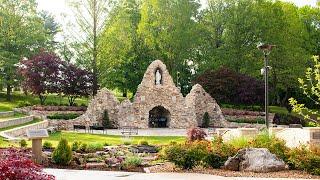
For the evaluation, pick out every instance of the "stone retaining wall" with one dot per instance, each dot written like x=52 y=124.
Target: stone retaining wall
x=20 y=131
x=6 y=114
x=15 y=121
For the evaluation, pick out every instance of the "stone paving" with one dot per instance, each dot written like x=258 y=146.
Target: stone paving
x=65 y=174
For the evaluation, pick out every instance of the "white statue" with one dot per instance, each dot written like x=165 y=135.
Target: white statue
x=158 y=77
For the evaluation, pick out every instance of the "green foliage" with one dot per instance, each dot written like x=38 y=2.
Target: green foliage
x=76 y=146
x=131 y=162
x=64 y=116
x=213 y=160
x=23 y=143
x=186 y=155
x=93 y=147
x=106 y=120
x=275 y=145
x=83 y=147
x=127 y=143
x=303 y=159
x=288 y=118
x=206 y=120
x=62 y=155
x=144 y=142
x=311 y=88
x=47 y=145
x=22 y=33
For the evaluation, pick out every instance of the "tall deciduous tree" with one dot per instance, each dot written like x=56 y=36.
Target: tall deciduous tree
x=90 y=18
x=22 y=33
x=170 y=31
x=123 y=57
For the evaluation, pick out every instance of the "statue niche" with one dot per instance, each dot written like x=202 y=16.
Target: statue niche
x=158 y=77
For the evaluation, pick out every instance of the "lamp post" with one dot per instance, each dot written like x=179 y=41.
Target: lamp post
x=266 y=49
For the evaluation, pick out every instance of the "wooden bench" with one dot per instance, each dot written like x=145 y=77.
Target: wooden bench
x=79 y=127
x=129 y=130
x=95 y=127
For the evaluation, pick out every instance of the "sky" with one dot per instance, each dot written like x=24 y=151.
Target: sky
x=63 y=14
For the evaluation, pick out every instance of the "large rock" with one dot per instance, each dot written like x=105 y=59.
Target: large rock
x=255 y=160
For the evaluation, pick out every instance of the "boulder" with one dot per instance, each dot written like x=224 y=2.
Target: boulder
x=143 y=149
x=255 y=160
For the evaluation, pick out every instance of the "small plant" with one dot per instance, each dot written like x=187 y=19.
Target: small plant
x=94 y=147
x=47 y=145
x=186 y=155
x=62 y=155
x=23 y=143
x=76 y=146
x=196 y=134
x=206 y=120
x=105 y=119
x=83 y=147
x=127 y=143
x=213 y=160
x=144 y=143
x=303 y=159
x=131 y=162
x=106 y=144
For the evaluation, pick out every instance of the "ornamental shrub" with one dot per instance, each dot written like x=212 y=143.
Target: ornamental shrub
x=83 y=147
x=106 y=120
x=131 y=162
x=93 y=147
x=76 y=146
x=47 y=145
x=17 y=165
x=213 y=160
x=206 y=120
x=23 y=143
x=62 y=155
x=144 y=142
x=303 y=159
x=196 y=134
x=186 y=155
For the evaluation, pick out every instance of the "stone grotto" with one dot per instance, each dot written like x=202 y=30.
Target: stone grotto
x=158 y=103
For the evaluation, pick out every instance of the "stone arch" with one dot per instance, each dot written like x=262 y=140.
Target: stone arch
x=159 y=117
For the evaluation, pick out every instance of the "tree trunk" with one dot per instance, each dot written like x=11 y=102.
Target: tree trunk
x=94 y=62
x=9 y=90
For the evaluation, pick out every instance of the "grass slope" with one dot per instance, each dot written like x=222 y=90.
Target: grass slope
x=110 y=139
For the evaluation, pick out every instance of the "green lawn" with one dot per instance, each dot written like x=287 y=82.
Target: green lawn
x=20 y=99
x=110 y=139
x=16 y=115
x=24 y=124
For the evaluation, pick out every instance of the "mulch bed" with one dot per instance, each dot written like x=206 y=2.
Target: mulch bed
x=169 y=167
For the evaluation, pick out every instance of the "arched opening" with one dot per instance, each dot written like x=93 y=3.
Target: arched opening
x=159 y=117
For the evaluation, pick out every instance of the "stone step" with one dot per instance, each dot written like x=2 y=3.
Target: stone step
x=6 y=114
x=15 y=121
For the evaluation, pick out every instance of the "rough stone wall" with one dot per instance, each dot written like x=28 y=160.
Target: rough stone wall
x=104 y=100
x=166 y=94
x=201 y=102
x=184 y=112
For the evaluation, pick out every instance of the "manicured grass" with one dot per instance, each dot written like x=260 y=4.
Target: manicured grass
x=16 y=115
x=110 y=139
x=19 y=99
x=24 y=124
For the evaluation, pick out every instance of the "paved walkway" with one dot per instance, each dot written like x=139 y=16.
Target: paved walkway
x=64 y=174
x=149 y=132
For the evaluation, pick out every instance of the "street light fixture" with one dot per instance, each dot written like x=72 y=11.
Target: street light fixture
x=266 y=49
